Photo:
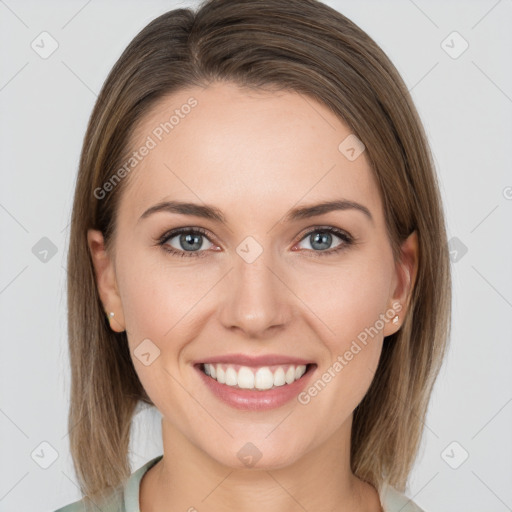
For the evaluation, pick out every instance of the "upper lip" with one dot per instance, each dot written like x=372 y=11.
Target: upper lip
x=246 y=360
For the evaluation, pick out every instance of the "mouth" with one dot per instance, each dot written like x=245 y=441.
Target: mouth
x=259 y=378
x=255 y=387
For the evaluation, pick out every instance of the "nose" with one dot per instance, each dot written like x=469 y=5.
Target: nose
x=256 y=299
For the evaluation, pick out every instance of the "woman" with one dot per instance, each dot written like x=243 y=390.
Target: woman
x=258 y=250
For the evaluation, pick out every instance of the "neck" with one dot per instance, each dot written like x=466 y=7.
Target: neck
x=187 y=478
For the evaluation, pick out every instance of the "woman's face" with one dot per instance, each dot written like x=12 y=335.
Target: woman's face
x=317 y=288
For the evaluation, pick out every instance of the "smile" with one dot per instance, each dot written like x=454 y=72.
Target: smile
x=260 y=378
x=253 y=386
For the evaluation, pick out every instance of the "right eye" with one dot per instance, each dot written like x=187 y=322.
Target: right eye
x=185 y=242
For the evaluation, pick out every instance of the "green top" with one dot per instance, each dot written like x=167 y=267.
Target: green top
x=127 y=499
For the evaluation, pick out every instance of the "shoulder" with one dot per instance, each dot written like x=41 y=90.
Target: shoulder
x=394 y=501
x=112 y=503
x=124 y=498
x=77 y=506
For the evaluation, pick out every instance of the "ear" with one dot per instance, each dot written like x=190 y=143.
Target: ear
x=106 y=279
x=405 y=277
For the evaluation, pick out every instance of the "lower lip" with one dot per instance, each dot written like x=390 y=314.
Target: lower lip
x=253 y=400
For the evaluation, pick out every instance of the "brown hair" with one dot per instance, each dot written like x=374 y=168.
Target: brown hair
x=297 y=45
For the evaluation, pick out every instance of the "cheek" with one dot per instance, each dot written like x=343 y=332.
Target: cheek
x=351 y=301
x=160 y=316
x=155 y=303
x=156 y=298
x=347 y=298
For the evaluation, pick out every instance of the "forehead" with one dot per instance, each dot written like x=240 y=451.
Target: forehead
x=244 y=150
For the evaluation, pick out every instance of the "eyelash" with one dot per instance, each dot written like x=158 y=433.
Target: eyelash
x=347 y=239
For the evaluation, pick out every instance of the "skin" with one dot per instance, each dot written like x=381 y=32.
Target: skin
x=254 y=155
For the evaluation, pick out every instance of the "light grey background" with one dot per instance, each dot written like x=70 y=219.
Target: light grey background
x=466 y=106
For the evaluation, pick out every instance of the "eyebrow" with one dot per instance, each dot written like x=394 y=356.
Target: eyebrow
x=295 y=214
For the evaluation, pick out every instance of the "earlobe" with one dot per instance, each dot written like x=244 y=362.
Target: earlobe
x=106 y=280
x=406 y=272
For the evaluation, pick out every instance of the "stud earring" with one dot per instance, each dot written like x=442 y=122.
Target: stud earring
x=110 y=316
x=395 y=320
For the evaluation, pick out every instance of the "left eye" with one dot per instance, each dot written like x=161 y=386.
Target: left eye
x=321 y=239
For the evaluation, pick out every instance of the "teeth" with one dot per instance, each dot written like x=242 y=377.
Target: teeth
x=279 y=378
x=252 y=378
x=231 y=376
x=245 y=378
